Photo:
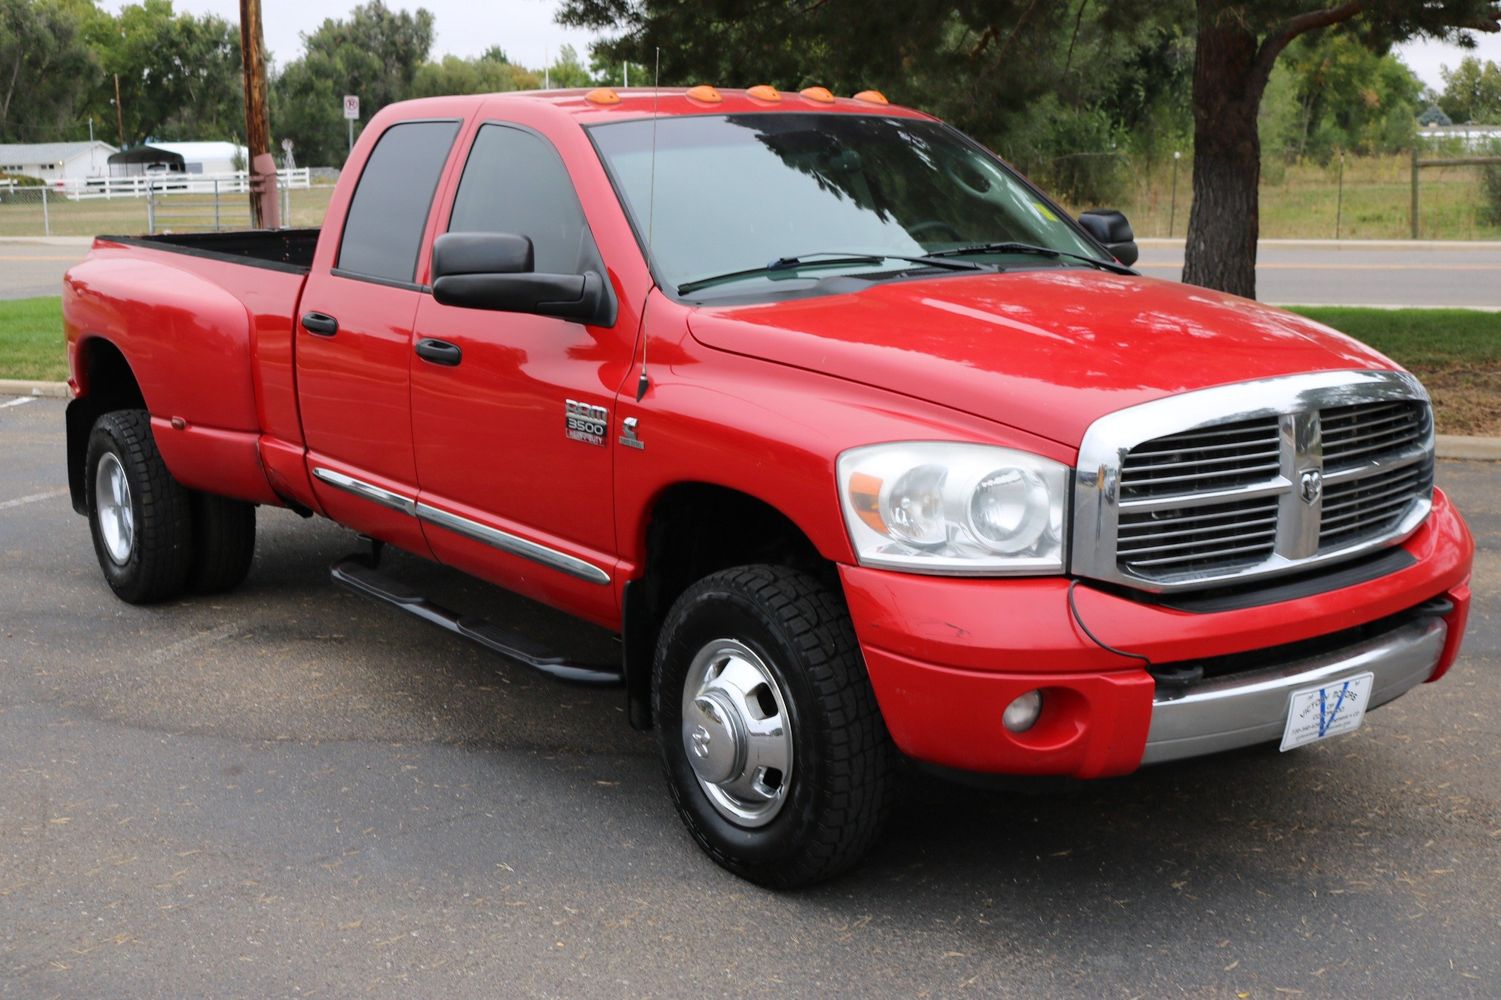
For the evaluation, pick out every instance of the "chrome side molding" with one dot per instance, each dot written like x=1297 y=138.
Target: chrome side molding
x=493 y=537
x=514 y=544
x=367 y=491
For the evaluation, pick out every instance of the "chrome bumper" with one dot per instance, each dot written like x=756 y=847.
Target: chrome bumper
x=1249 y=708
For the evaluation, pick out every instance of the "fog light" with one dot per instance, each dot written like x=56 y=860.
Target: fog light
x=1022 y=713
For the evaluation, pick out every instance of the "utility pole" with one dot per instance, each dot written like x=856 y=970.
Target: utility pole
x=264 y=211
x=119 y=116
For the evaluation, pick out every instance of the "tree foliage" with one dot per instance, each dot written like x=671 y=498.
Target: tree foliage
x=1472 y=92
x=374 y=53
x=1330 y=93
x=180 y=75
x=46 y=67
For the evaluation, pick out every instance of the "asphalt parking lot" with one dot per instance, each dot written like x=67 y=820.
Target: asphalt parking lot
x=291 y=791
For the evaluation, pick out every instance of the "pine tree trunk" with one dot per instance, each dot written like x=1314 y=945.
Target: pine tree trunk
x=1224 y=220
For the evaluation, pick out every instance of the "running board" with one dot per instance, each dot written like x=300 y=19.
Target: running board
x=356 y=574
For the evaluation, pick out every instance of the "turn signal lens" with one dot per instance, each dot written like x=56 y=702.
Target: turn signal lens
x=1022 y=713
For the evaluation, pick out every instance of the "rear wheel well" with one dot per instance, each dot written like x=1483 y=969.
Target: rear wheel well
x=697 y=529
x=108 y=385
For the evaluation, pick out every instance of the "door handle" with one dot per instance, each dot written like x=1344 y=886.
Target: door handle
x=321 y=324
x=439 y=352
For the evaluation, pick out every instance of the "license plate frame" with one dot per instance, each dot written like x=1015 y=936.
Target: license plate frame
x=1324 y=710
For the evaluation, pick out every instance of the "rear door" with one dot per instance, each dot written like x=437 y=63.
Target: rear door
x=513 y=442
x=354 y=339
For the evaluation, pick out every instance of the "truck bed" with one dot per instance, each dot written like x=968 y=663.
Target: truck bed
x=281 y=249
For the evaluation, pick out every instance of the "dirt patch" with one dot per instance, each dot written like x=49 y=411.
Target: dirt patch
x=1466 y=399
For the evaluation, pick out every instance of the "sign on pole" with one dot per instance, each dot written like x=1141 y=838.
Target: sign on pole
x=351 y=112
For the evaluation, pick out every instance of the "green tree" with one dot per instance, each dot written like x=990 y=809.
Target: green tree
x=1329 y=92
x=374 y=54
x=485 y=75
x=1472 y=92
x=567 y=71
x=179 y=74
x=46 y=68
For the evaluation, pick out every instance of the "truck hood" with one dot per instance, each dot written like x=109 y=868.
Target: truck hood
x=1045 y=351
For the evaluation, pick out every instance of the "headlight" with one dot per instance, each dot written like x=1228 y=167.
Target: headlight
x=958 y=509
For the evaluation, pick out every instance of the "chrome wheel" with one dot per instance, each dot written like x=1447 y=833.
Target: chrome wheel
x=737 y=733
x=112 y=504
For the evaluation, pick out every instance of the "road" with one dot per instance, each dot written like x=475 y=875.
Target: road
x=35 y=267
x=292 y=791
x=1355 y=274
x=1375 y=273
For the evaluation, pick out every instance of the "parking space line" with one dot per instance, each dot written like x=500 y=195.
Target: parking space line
x=33 y=498
x=18 y=401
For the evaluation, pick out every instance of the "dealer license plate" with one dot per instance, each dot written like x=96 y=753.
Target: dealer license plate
x=1318 y=713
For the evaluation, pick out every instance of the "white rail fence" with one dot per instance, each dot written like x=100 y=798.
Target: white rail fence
x=173 y=202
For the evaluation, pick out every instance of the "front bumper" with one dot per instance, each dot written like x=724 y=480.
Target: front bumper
x=946 y=656
x=1242 y=710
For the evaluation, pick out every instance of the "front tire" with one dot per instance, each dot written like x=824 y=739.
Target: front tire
x=776 y=754
x=139 y=515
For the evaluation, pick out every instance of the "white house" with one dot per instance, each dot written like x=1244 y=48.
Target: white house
x=56 y=161
x=1473 y=137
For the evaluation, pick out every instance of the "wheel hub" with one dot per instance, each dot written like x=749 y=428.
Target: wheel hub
x=736 y=733
x=115 y=513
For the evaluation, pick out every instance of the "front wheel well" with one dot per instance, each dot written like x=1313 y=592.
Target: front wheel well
x=696 y=529
x=107 y=384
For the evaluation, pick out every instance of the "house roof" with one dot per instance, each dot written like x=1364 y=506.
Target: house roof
x=47 y=152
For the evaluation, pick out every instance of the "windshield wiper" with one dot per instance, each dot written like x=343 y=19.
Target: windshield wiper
x=823 y=258
x=1032 y=248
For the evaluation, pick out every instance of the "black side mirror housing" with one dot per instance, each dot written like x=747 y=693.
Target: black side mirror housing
x=1112 y=231
x=494 y=271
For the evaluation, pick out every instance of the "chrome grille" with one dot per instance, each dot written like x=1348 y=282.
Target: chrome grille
x=1182 y=538
x=1366 y=432
x=1298 y=471
x=1214 y=458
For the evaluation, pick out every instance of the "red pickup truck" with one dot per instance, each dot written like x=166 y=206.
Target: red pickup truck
x=864 y=446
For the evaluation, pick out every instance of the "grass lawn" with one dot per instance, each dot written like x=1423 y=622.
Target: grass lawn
x=1456 y=352
x=31 y=339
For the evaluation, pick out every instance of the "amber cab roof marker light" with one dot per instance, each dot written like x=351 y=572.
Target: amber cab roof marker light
x=872 y=97
x=704 y=94
x=763 y=92
x=603 y=96
x=819 y=95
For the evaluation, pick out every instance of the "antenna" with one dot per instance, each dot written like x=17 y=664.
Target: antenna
x=644 y=382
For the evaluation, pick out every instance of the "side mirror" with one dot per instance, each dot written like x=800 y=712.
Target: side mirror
x=1111 y=230
x=494 y=271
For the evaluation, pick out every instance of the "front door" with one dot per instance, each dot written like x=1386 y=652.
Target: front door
x=354 y=340
x=513 y=442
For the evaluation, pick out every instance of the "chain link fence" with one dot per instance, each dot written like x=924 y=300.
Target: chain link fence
x=161 y=206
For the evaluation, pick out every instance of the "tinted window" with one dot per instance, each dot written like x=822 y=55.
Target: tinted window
x=383 y=232
x=515 y=182
x=735 y=191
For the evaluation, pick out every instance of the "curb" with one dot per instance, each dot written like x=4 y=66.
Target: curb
x=23 y=387
x=1483 y=449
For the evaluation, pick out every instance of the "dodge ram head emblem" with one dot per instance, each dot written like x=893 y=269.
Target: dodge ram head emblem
x=1312 y=486
x=586 y=422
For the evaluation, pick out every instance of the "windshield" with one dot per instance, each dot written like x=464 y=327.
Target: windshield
x=735 y=193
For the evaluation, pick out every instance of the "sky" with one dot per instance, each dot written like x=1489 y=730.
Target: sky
x=526 y=31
